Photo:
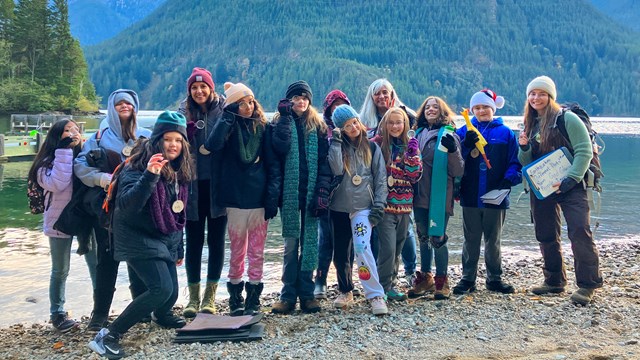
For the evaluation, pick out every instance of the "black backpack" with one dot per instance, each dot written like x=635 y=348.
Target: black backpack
x=37 y=197
x=597 y=144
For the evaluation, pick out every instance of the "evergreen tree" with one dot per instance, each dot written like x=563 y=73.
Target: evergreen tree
x=31 y=35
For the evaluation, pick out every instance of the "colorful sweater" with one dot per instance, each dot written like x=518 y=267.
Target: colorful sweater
x=405 y=170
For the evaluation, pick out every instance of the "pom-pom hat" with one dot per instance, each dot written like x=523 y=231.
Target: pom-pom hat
x=235 y=92
x=543 y=83
x=342 y=114
x=487 y=97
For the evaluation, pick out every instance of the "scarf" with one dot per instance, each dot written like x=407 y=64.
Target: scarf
x=249 y=152
x=163 y=217
x=290 y=213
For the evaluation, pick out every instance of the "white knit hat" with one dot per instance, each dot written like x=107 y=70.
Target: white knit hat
x=235 y=92
x=486 y=97
x=543 y=83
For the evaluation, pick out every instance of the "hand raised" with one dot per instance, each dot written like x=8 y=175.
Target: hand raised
x=156 y=163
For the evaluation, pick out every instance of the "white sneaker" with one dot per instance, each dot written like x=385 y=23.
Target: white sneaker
x=97 y=344
x=379 y=306
x=343 y=300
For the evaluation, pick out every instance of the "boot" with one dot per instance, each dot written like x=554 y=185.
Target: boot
x=423 y=283
x=209 y=298
x=236 y=301
x=252 y=304
x=442 y=288
x=193 y=306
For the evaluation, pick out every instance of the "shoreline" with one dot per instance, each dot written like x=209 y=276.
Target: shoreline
x=476 y=326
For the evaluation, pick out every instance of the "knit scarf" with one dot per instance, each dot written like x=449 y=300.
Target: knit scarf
x=164 y=218
x=290 y=212
x=249 y=152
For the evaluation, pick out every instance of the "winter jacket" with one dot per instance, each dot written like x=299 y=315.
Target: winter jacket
x=502 y=152
x=372 y=192
x=58 y=186
x=428 y=139
x=207 y=166
x=135 y=235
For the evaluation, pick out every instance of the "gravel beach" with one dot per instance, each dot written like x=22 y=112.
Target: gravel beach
x=483 y=325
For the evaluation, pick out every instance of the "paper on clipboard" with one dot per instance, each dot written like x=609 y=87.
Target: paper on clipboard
x=495 y=197
x=546 y=171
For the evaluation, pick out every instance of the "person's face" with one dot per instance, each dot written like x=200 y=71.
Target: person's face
x=246 y=106
x=382 y=98
x=538 y=99
x=432 y=111
x=124 y=110
x=200 y=92
x=71 y=130
x=352 y=128
x=172 y=145
x=482 y=112
x=300 y=104
x=395 y=125
x=337 y=103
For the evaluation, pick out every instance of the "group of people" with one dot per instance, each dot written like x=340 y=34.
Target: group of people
x=349 y=187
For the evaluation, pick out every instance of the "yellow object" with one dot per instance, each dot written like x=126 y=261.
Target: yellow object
x=482 y=142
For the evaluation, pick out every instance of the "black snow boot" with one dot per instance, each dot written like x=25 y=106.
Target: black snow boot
x=236 y=301
x=252 y=304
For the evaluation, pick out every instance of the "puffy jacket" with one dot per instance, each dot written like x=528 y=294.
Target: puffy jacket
x=58 y=185
x=502 y=152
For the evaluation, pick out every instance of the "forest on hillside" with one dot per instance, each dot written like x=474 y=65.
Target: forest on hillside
x=42 y=67
x=450 y=49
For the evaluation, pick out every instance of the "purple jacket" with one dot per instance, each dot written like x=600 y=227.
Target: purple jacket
x=57 y=182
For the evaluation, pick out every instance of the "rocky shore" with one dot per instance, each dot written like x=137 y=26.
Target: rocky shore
x=483 y=325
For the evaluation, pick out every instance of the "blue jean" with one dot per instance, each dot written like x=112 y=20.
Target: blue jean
x=428 y=253
x=60 y=249
x=161 y=280
x=409 y=255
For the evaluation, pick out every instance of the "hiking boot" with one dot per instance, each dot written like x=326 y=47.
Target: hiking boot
x=107 y=344
x=310 y=306
x=283 y=307
x=97 y=321
x=209 y=298
x=169 y=320
x=236 y=301
x=252 y=303
x=582 y=296
x=379 y=306
x=396 y=295
x=442 y=288
x=422 y=284
x=343 y=300
x=193 y=306
x=464 y=287
x=62 y=323
x=320 y=292
x=500 y=286
x=547 y=289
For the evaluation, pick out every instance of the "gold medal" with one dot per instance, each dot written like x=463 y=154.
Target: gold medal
x=126 y=151
x=177 y=206
x=257 y=160
x=203 y=150
x=356 y=180
x=475 y=153
x=390 y=180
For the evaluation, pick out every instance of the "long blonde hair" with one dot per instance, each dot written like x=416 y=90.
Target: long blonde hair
x=312 y=120
x=361 y=144
x=550 y=137
x=386 y=137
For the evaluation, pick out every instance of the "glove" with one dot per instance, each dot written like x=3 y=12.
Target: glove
x=438 y=241
x=284 y=107
x=375 y=216
x=567 y=184
x=336 y=134
x=191 y=129
x=64 y=143
x=505 y=184
x=449 y=142
x=270 y=212
x=233 y=108
x=412 y=147
x=105 y=180
x=321 y=205
x=470 y=139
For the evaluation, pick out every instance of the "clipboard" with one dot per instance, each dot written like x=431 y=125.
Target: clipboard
x=546 y=171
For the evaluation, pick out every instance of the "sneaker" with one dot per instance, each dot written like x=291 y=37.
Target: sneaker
x=97 y=322
x=500 y=286
x=396 y=295
x=547 y=289
x=111 y=344
x=379 y=306
x=464 y=287
x=169 y=321
x=97 y=344
x=310 y=306
x=422 y=284
x=320 y=292
x=343 y=300
x=62 y=323
x=582 y=296
x=283 y=307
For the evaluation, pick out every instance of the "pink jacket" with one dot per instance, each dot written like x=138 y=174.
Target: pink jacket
x=58 y=184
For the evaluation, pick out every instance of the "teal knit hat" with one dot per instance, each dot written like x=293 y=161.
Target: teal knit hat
x=166 y=122
x=343 y=113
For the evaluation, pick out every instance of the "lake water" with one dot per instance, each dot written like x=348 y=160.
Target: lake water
x=24 y=251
